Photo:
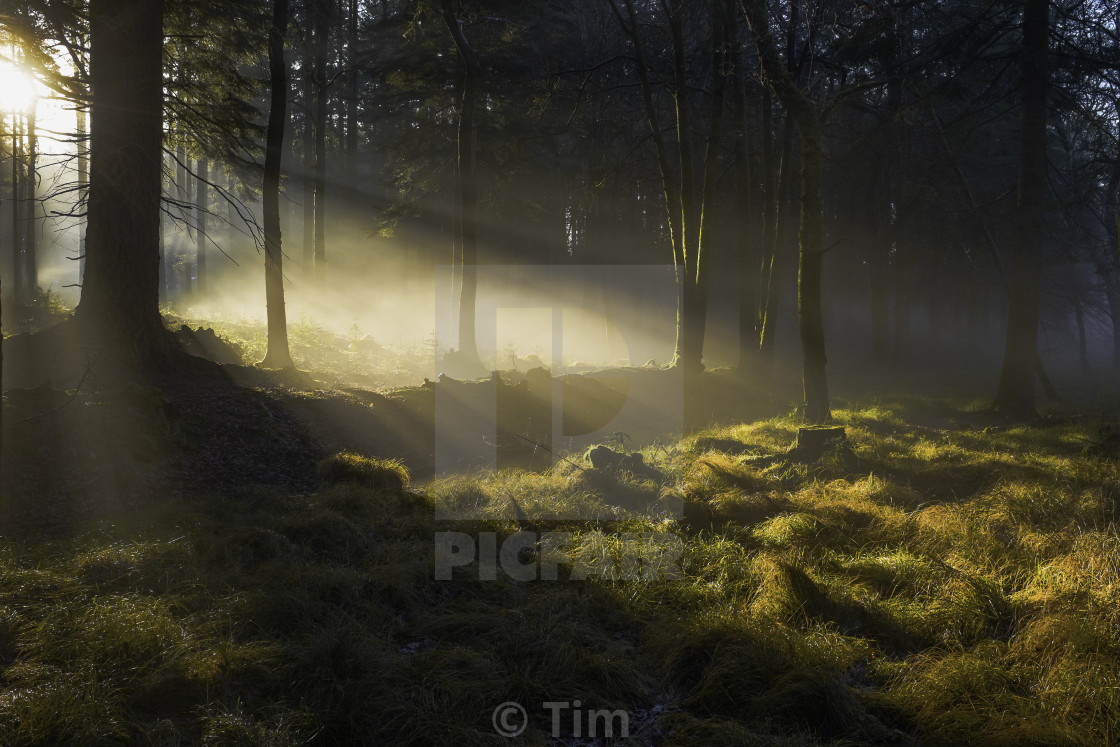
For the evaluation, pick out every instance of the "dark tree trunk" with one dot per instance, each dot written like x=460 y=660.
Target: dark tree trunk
x=120 y=296
x=352 y=93
x=83 y=183
x=467 y=192
x=182 y=188
x=201 y=209
x=1016 y=395
x=307 y=146
x=810 y=315
x=774 y=242
x=277 y=355
x=746 y=236
x=17 y=236
x=1082 y=341
x=322 y=31
x=809 y=311
x=697 y=265
x=31 y=263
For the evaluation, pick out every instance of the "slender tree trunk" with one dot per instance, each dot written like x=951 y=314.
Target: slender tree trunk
x=467 y=197
x=17 y=223
x=698 y=274
x=1112 y=280
x=671 y=187
x=322 y=29
x=746 y=235
x=809 y=311
x=307 y=145
x=83 y=183
x=1016 y=395
x=770 y=267
x=120 y=296
x=352 y=92
x=31 y=265
x=277 y=355
x=1082 y=341
x=201 y=207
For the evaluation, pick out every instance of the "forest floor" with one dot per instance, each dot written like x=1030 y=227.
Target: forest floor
x=936 y=578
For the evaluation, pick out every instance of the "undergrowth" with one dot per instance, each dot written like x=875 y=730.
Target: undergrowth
x=940 y=580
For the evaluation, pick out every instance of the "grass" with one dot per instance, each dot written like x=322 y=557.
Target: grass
x=337 y=359
x=941 y=581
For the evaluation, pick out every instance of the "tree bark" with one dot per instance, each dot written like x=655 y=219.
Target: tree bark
x=467 y=193
x=120 y=296
x=322 y=31
x=201 y=210
x=352 y=93
x=277 y=354
x=17 y=235
x=182 y=189
x=809 y=311
x=31 y=264
x=699 y=270
x=746 y=235
x=83 y=183
x=307 y=146
x=1016 y=395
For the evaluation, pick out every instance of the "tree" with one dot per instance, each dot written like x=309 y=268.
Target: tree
x=277 y=354
x=1016 y=395
x=687 y=204
x=466 y=185
x=119 y=305
x=800 y=107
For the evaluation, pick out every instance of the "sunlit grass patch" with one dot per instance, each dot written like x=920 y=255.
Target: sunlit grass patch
x=379 y=474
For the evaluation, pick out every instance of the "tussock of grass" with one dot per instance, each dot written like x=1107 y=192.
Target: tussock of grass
x=940 y=582
x=379 y=474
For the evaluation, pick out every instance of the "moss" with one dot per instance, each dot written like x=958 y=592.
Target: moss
x=380 y=474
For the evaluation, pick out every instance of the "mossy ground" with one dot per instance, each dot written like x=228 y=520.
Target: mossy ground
x=944 y=580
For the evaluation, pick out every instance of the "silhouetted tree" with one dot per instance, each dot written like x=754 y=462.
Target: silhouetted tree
x=120 y=294
x=277 y=354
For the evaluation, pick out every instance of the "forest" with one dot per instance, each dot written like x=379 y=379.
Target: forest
x=583 y=372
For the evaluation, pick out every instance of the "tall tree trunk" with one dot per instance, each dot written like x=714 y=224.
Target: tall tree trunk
x=746 y=235
x=164 y=276
x=699 y=269
x=277 y=354
x=810 y=315
x=120 y=296
x=83 y=183
x=322 y=31
x=31 y=263
x=1082 y=341
x=352 y=91
x=1016 y=395
x=776 y=173
x=201 y=209
x=17 y=221
x=307 y=146
x=467 y=197
x=670 y=186
x=809 y=311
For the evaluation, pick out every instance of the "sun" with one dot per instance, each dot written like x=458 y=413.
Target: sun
x=18 y=90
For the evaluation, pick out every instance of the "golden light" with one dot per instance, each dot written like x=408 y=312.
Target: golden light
x=18 y=90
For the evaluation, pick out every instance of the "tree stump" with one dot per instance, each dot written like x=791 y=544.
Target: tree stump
x=813 y=441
